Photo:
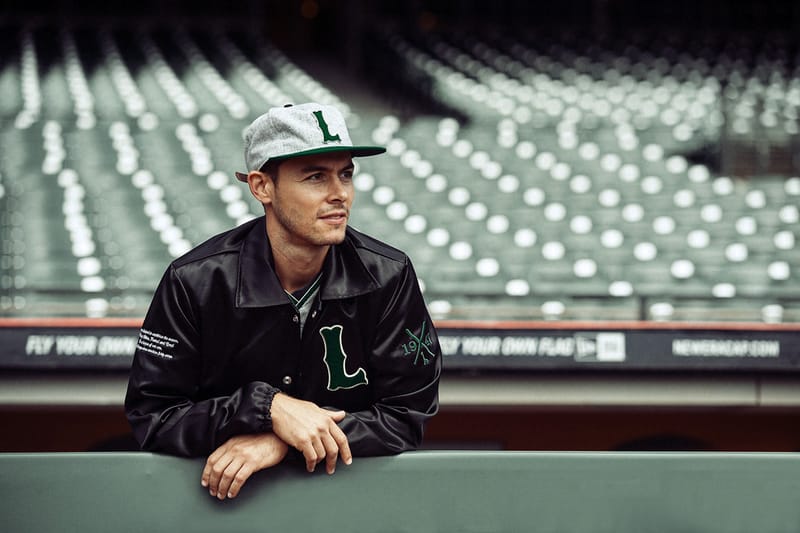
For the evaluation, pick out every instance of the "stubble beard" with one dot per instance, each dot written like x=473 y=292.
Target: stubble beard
x=294 y=231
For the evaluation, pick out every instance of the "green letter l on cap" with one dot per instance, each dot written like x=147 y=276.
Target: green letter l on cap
x=326 y=135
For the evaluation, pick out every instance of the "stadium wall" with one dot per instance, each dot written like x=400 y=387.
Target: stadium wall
x=552 y=386
x=429 y=491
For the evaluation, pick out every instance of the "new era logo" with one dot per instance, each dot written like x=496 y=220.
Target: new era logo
x=602 y=347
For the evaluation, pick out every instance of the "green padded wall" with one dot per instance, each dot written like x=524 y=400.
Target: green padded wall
x=453 y=492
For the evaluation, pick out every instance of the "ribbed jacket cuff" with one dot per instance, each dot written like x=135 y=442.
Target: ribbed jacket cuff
x=262 y=396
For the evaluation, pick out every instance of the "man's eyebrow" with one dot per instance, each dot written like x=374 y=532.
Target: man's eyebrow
x=322 y=168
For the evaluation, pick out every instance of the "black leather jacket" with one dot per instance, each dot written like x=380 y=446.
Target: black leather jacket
x=221 y=338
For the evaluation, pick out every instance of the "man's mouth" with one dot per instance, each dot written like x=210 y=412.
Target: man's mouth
x=336 y=217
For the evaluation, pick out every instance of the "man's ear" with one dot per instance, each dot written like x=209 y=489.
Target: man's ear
x=261 y=186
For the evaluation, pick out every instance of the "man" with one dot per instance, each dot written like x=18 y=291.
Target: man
x=290 y=331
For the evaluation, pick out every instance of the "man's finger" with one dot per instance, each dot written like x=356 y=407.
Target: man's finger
x=332 y=453
x=205 y=478
x=217 y=470
x=343 y=444
x=337 y=416
x=239 y=480
x=319 y=452
x=309 y=453
x=228 y=476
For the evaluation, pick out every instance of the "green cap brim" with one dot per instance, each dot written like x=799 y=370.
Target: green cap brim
x=355 y=151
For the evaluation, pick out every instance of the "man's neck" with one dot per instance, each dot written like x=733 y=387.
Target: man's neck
x=297 y=268
x=296 y=265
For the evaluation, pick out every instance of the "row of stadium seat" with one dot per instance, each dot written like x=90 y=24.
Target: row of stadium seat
x=563 y=187
x=119 y=149
x=571 y=184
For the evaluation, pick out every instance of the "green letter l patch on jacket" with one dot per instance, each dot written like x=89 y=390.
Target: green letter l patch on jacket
x=335 y=358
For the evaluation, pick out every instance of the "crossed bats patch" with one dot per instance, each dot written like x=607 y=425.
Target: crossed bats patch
x=418 y=345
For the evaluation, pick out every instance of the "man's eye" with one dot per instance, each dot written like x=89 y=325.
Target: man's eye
x=316 y=177
x=347 y=175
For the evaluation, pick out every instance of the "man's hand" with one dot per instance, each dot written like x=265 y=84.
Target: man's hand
x=230 y=466
x=311 y=430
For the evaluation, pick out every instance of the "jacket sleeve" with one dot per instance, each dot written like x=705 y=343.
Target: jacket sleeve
x=404 y=372
x=161 y=403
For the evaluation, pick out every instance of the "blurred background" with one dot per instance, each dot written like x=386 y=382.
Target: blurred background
x=607 y=189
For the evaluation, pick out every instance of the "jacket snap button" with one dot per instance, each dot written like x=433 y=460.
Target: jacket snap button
x=287 y=380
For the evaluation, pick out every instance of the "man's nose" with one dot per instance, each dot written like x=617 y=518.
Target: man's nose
x=339 y=191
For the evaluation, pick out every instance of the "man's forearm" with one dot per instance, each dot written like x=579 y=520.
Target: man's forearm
x=181 y=427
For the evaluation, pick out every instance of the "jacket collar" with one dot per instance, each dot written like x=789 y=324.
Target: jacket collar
x=344 y=273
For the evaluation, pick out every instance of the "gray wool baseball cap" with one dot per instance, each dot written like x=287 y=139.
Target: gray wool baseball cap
x=297 y=130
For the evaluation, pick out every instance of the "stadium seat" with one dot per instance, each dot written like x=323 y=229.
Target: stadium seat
x=563 y=168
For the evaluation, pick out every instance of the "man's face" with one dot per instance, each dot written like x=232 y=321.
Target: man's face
x=311 y=199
